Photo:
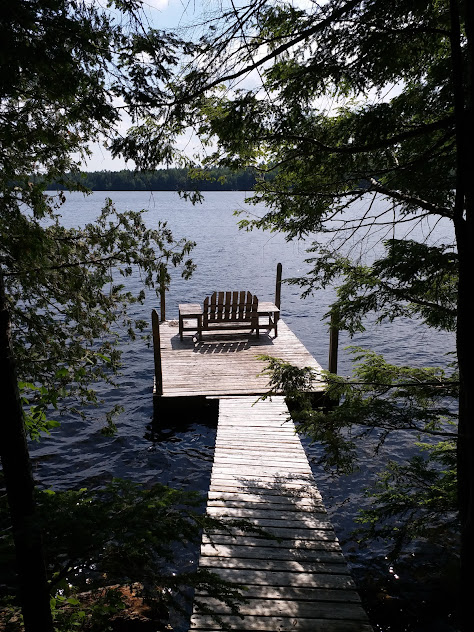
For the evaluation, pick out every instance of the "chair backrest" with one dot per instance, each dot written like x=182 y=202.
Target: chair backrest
x=230 y=307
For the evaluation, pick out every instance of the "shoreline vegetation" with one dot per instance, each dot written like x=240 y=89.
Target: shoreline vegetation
x=172 y=179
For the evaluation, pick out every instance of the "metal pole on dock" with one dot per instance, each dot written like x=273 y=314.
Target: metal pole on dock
x=155 y=326
x=333 y=340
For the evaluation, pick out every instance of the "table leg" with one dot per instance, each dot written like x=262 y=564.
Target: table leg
x=199 y=324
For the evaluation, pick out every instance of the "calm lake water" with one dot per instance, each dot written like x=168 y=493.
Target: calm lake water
x=77 y=454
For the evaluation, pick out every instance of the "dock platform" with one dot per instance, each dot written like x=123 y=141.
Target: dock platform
x=299 y=581
x=223 y=363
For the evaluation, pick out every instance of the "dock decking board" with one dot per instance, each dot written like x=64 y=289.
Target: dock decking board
x=224 y=363
x=261 y=473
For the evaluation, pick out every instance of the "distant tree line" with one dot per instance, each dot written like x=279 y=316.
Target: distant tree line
x=173 y=179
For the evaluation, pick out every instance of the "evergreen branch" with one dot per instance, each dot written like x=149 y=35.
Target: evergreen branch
x=75 y=264
x=300 y=37
x=410 y=199
x=421 y=130
x=446 y=384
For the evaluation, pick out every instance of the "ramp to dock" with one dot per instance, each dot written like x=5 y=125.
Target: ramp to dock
x=299 y=581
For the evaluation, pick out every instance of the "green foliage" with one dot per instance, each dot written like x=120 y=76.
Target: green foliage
x=415 y=500
x=69 y=309
x=348 y=98
x=69 y=69
x=351 y=109
x=410 y=500
x=35 y=418
x=411 y=279
x=100 y=541
x=64 y=65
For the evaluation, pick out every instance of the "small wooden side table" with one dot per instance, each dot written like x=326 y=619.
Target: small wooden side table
x=271 y=311
x=190 y=311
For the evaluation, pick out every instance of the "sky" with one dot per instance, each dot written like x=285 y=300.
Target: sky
x=163 y=14
x=166 y=14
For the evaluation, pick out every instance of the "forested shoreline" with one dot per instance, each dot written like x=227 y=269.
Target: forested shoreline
x=172 y=179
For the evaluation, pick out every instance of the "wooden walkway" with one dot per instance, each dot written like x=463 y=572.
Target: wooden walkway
x=224 y=364
x=301 y=580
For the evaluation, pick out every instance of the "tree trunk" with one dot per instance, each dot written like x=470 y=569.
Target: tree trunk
x=463 y=84
x=465 y=447
x=32 y=579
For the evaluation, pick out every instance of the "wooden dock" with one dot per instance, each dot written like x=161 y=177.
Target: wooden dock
x=300 y=580
x=223 y=363
x=261 y=473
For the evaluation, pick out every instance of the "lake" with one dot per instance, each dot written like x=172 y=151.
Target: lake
x=227 y=259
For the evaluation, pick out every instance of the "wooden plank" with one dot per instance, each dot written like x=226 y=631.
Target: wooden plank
x=256 y=460
x=333 y=340
x=238 y=463
x=291 y=566
x=288 y=491
x=280 y=438
x=289 y=533
x=267 y=484
x=220 y=306
x=239 y=551
x=288 y=608
x=242 y=302
x=266 y=513
x=267 y=519
x=265 y=449
x=300 y=594
x=280 y=578
x=259 y=477
x=268 y=496
x=254 y=481
x=280 y=623
x=278 y=286
x=286 y=533
x=267 y=505
x=235 y=305
x=227 y=306
x=255 y=470
x=253 y=541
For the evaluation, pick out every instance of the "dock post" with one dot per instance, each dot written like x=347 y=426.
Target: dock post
x=278 y=286
x=162 y=293
x=333 y=340
x=155 y=325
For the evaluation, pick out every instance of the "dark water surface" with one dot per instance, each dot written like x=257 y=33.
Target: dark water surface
x=227 y=259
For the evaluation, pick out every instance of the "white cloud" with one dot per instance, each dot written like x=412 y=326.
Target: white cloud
x=161 y=5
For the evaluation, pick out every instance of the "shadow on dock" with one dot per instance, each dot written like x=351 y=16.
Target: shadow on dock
x=294 y=572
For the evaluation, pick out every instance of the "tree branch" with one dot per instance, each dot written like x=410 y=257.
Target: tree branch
x=358 y=149
x=411 y=199
x=335 y=15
